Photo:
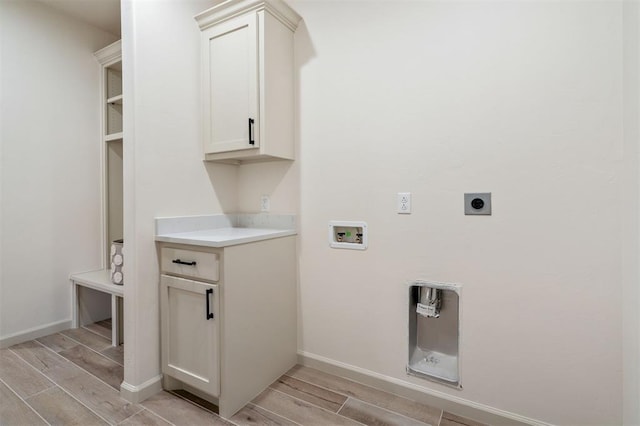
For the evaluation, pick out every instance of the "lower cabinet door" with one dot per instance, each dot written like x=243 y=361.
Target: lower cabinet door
x=190 y=332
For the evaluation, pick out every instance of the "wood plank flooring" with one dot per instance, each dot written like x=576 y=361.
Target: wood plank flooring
x=73 y=378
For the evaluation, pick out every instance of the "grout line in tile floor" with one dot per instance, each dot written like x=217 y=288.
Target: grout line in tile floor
x=99 y=353
x=365 y=402
x=251 y=404
x=23 y=400
x=341 y=415
x=316 y=406
x=80 y=367
x=83 y=404
x=58 y=386
x=323 y=387
x=151 y=411
x=80 y=343
x=308 y=380
x=397 y=413
x=42 y=391
x=91 y=331
x=348 y=397
x=343 y=404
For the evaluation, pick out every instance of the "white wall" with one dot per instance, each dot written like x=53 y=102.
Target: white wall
x=278 y=179
x=521 y=99
x=164 y=174
x=631 y=215
x=50 y=170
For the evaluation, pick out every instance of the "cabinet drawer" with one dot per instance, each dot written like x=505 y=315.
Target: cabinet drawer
x=190 y=263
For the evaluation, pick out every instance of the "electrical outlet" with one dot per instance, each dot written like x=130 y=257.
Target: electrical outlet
x=265 y=203
x=404 y=203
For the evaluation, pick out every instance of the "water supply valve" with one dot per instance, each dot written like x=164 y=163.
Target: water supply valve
x=430 y=302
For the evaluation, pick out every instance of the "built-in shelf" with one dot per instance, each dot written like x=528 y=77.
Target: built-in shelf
x=113 y=124
x=115 y=100
x=89 y=307
x=110 y=59
x=113 y=137
x=113 y=80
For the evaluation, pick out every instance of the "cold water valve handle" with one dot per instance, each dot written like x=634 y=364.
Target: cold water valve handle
x=430 y=302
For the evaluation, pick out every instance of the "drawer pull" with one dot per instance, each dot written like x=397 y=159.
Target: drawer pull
x=209 y=313
x=180 y=262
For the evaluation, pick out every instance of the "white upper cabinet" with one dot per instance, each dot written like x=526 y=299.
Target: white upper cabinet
x=232 y=77
x=247 y=81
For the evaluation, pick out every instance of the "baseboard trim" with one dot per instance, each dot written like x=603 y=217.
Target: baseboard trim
x=34 y=333
x=453 y=404
x=137 y=394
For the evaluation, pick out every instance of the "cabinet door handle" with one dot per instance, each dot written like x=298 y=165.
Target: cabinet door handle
x=181 y=262
x=209 y=313
x=251 y=140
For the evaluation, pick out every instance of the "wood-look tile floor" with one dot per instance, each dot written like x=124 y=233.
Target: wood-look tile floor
x=73 y=378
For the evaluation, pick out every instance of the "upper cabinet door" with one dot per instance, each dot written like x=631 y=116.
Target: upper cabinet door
x=230 y=85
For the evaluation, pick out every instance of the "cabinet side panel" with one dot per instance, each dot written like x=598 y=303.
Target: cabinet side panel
x=258 y=319
x=277 y=89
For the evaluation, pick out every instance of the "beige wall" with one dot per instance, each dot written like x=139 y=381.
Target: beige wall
x=631 y=215
x=49 y=163
x=522 y=99
x=164 y=174
x=525 y=100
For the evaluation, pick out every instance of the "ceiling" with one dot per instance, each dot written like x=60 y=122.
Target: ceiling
x=104 y=14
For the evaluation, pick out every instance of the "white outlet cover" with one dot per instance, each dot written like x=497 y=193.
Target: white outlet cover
x=404 y=203
x=265 y=203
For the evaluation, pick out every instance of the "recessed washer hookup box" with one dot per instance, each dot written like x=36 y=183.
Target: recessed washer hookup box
x=348 y=235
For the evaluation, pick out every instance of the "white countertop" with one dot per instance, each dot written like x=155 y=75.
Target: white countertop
x=222 y=230
x=223 y=237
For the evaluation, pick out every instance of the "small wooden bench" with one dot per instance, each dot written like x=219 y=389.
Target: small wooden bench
x=101 y=281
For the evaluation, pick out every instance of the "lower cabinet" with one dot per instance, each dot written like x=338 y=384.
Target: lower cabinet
x=190 y=332
x=228 y=319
